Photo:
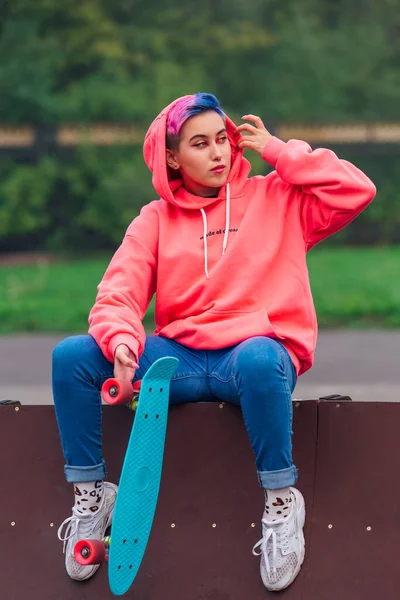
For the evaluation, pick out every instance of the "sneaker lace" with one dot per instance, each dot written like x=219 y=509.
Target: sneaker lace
x=278 y=538
x=72 y=525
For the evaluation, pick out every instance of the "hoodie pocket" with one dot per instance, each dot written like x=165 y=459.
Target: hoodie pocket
x=250 y=323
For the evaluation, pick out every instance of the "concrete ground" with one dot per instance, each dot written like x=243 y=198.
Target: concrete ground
x=362 y=364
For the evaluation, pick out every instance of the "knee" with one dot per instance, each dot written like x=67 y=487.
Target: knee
x=71 y=351
x=259 y=356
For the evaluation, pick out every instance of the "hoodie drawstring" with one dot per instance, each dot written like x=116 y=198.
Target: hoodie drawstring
x=226 y=234
x=227 y=217
x=205 y=243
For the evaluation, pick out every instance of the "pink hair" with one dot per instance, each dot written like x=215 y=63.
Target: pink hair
x=178 y=115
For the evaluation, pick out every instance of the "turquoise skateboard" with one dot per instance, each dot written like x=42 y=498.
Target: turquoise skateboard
x=140 y=477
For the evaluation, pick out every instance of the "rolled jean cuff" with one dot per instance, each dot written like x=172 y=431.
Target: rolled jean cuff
x=275 y=480
x=80 y=474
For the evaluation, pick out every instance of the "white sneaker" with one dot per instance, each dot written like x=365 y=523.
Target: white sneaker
x=92 y=526
x=282 y=547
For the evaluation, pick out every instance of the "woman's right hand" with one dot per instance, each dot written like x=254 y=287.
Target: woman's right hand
x=124 y=363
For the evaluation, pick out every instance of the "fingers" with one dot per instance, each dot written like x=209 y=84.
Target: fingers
x=258 y=122
x=123 y=355
x=258 y=134
x=127 y=362
x=247 y=127
x=247 y=142
x=122 y=372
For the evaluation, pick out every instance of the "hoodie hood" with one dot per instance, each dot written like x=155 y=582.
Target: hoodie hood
x=168 y=183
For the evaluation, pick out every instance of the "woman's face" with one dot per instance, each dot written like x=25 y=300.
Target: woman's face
x=204 y=155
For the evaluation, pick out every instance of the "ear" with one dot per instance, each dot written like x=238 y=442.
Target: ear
x=171 y=159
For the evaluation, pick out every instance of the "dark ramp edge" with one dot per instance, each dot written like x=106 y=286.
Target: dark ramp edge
x=357 y=488
x=208 y=478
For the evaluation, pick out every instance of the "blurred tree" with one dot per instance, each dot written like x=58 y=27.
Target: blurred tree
x=295 y=60
x=96 y=60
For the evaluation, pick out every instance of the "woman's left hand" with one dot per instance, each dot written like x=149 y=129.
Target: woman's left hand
x=259 y=134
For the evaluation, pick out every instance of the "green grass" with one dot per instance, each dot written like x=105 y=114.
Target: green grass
x=356 y=287
x=351 y=287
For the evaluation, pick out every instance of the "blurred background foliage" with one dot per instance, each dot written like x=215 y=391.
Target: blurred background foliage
x=87 y=61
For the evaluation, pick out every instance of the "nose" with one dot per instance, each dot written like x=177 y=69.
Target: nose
x=216 y=152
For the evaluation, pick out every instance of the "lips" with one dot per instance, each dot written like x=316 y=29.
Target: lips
x=218 y=169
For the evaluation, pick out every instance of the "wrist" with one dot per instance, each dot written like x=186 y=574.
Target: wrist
x=272 y=150
x=123 y=339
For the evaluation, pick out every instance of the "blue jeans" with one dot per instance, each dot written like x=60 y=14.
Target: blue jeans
x=257 y=374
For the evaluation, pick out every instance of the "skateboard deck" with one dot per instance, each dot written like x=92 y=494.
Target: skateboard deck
x=140 y=477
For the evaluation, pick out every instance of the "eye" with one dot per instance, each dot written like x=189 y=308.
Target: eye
x=200 y=145
x=222 y=139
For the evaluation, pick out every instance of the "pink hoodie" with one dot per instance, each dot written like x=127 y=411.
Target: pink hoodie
x=228 y=268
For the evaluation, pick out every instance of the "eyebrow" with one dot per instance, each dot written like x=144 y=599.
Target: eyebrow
x=202 y=135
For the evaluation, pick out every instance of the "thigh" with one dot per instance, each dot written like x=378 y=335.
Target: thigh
x=256 y=358
x=189 y=383
x=78 y=359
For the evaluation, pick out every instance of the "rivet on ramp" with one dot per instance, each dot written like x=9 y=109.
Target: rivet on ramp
x=172 y=525
x=338 y=405
x=330 y=526
x=253 y=524
x=12 y=523
x=369 y=528
x=16 y=408
x=221 y=406
x=51 y=524
x=214 y=525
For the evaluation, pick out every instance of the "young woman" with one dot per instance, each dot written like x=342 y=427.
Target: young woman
x=225 y=254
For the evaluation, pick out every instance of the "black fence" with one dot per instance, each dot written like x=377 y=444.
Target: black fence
x=32 y=142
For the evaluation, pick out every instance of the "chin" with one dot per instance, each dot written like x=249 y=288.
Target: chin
x=215 y=185
x=218 y=181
